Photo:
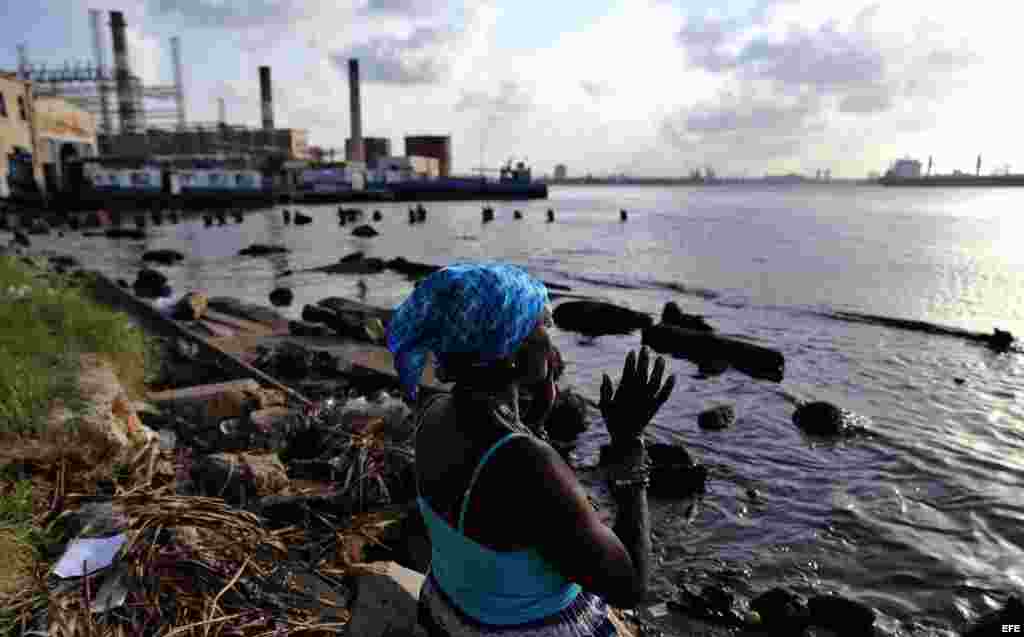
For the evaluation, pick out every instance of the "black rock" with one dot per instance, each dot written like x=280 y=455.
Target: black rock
x=125 y=233
x=596 y=318
x=345 y=324
x=292 y=361
x=411 y=268
x=672 y=315
x=63 y=262
x=622 y=215
x=756 y=361
x=673 y=472
x=161 y=291
x=281 y=297
x=165 y=257
x=372 y=265
x=710 y=368
x=377 y=216
x=781 y=611
x=843 y=616
x=1012 y=613
x=318 y=314
x=1001 y=340
x=305 y=328
x=712 y=604
x=150 y=279
x=123 y=283
x=364 y=231
x=959 y=381
x=261 y=250
x=551 y=215
x=717 y=418
x=361 y=311
x=302 y=219
x=518 y=214
x=39 y=226
x=22 y=239
x=352 y=258
x=820 y=418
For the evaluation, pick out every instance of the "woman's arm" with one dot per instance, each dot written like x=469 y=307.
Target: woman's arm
x=567 y=532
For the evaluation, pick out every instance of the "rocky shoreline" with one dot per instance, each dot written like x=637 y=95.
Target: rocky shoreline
x=257 y=452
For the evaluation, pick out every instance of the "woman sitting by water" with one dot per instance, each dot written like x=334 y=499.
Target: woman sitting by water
x=517 y=547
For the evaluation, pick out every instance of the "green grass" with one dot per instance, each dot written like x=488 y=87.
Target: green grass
x=46 y=322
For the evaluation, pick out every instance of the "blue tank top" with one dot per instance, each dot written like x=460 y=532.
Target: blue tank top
x=500 y=588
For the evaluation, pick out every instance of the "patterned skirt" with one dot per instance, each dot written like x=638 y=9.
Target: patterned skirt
x=587 y=616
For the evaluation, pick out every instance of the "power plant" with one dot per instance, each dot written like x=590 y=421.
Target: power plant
x=143 y=144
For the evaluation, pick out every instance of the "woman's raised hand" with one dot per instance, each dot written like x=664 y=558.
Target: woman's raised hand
x=629 y=409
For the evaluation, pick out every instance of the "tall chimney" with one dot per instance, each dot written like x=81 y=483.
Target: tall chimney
x=106 y=125
x=179 y=83
x=267 y=98
x=356 y=112
x=123 y=74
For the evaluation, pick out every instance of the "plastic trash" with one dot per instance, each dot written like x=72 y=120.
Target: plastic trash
x=398 y=421
x=85 y=556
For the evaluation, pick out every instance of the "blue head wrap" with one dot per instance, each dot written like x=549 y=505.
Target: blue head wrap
x=484 y=309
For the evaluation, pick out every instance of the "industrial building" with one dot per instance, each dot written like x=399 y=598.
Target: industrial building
x=210 y=140
x=137 y=120
x=396 y=169
x=437 y=146
x=18 y=163
x=906 y=167
x=38 y=137
x=116 y=97
x=374 y=149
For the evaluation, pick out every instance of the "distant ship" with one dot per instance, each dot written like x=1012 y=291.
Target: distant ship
x=907 y=172
x=953 y=180
x=514 y=182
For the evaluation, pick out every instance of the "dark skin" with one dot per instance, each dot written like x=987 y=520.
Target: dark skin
x=527 y=496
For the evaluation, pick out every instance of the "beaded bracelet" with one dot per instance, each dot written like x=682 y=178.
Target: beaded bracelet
x=643 y=483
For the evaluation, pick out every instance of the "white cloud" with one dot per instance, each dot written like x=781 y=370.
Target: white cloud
x=646 y=87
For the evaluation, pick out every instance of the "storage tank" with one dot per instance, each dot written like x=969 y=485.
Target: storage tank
x=436 y=146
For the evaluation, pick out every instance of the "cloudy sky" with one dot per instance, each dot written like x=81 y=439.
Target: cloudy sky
x=640 y=86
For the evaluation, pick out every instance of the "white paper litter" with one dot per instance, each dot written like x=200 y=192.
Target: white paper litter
x=91 y=553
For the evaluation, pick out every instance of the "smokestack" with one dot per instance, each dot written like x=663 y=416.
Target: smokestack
x=267 y=98
x=356 y=111
x=23 y=65
x=123 y=74
x=179 y=82
x=106 y=125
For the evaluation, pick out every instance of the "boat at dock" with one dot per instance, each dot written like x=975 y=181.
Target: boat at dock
x=954 y=180
x=907 y=172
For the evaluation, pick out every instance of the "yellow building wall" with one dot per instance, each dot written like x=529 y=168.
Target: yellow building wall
x=60 y=121
x=14 y=131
